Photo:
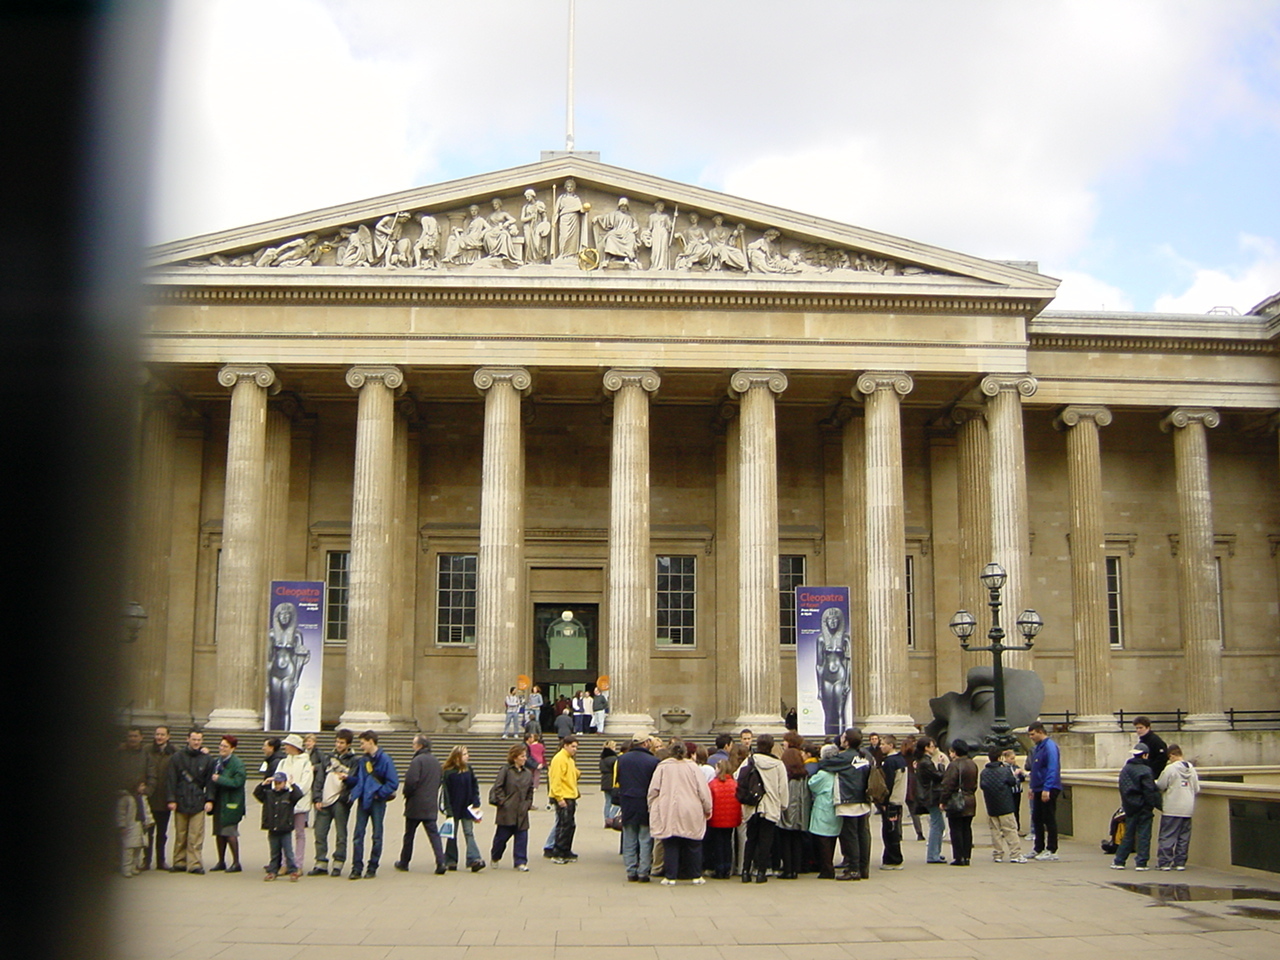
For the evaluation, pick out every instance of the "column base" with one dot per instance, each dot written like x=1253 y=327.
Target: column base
x=1206 y=721
x=358 y=720
x=232 y=719
x=488 y=723
x=627 y=725
x=759 y=723
x=889 y=723
x=1100 y=723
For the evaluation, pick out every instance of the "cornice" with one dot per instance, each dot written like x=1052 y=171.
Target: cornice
x=1095 y=343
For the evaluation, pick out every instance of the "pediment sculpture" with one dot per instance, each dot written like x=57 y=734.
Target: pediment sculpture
x=560 y=228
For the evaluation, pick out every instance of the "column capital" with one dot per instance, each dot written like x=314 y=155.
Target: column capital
x=259 y=373
x=389 y=376
x=872 y=380
x=518 y=377
x=965 y=411
x=1073 y=414
x=743 y=380
x=997 y=383
x=644 y=377
x=1185 y=416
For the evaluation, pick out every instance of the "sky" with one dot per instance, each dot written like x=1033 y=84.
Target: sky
x=1131 y=147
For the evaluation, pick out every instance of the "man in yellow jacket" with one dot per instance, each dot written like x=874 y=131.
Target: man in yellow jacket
x=562 y=788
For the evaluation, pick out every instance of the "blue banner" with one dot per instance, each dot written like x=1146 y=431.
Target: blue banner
x=824 y=661
x=295 y=648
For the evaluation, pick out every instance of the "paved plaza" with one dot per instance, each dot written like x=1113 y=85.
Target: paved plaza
x=587 y=910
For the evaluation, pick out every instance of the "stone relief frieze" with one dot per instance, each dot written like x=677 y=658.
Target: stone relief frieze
x=562 y=229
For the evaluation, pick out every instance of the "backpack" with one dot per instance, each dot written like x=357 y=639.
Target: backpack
x=750 y=786
x=877 y=790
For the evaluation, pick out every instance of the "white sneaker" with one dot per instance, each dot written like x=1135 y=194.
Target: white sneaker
x=1179 y=868
x=1018 y=859
x=522 y=867
x=699 y=881
x=1048 y=856
x=1117 y=866
x=668 y=882
x=1142 y=869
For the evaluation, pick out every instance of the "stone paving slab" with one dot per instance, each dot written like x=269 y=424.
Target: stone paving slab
x=587 y=910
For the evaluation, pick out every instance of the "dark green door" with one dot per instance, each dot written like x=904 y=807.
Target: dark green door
x=565 y=650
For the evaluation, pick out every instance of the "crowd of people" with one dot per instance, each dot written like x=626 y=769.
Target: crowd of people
x=752 y=808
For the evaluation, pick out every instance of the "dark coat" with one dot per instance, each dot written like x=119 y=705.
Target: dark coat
x=277 y=806
x=189 y=786
x=514 y=792
x=228 y=792
x=461 y=790
x=635 y=771
x=1157 y=752
x=422 y=787
x=158 y=774
x=133 y=767
x=961 y=775
x=999 y=789
x=928 y=782
x=1138 y=791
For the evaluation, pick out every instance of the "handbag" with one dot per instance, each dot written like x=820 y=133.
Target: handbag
x=956 y=804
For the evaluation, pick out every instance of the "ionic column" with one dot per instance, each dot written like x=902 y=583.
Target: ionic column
x=498 y=593
x=1197 y=573
x=887 y=668
x=759 y=663
x=630 y=564
x=973 y=456
x=150 y=553
x=853 y=455
x=1088 y=568
x=1010 y=530
x=369 y=592
x=242 y=614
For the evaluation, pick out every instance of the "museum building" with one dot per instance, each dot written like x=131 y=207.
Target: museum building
x=568 y=420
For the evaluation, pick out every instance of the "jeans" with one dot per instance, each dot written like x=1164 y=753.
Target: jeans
x=468 y=828
x=377 y=812
x=500 y=837
x=1044 y=821
x=281 y=845
x=1175 y=838
x=637 y=849
x=511 y=726
x=433 y=834
x=1137 y=838
x=933 y=851
x=338 y=814
x=565 y=828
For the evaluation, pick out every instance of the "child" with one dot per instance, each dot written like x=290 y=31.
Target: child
x=1010 y=759
x=1179 y=783
x=999 y=788
x=278 y=796
x=133 y=817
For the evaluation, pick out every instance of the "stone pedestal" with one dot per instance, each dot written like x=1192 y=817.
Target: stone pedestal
x=887 y=708
x=369 y=594
x=499 y=592
x=1088 y=568
x=631 y=634
x=759 y=665
x=1197 y=570
x=242 y=615
x=1010 y=530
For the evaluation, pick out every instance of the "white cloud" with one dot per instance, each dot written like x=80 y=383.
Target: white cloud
x=1081 y=291
x=1240 y=285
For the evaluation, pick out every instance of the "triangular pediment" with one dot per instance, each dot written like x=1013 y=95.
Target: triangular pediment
x=613 y=224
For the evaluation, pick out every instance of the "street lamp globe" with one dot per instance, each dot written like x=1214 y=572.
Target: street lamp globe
x=963 y=624
x=1029 y=624
x=993 y=576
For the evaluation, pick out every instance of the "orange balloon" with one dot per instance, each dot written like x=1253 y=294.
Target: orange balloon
x=523 y=682
x=602 y=682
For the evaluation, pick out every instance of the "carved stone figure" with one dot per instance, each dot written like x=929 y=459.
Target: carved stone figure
x=968 y=716
x=569 y=210
x=725 y=251
x=834 y=669
x=466 y=244
x=500 y=235
x=537 y=228
x=288 y=656
x=387 y=234
x=764 y=255
x=657 y=237
x=358 y=251
x=426 y=251
x=697 y=248
x=621 y=235
x=296 y=253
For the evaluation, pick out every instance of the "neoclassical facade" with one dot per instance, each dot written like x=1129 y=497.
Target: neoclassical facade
x=567 y=420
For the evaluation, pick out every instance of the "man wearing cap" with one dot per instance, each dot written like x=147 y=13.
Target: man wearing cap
x=634 y=771
x=1139 y=797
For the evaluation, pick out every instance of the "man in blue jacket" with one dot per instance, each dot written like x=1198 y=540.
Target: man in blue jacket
x=372 y=783
x=1046 y=785
x=634 y=771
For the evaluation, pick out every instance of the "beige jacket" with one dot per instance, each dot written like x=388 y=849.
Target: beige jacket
x=679 y=800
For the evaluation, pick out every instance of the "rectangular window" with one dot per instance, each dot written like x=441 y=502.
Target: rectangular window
x=910 y=584
x=337 y=580
x=790 y=576
x=1115 y=603
x=676 y=592
x=456 y=598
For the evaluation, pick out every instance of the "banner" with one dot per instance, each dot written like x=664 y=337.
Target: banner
x=824 y=664
x=295 y=647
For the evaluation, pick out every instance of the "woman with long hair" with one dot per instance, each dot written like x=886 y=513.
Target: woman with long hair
x=461 y=795
x=513 y=796
x=726 y=817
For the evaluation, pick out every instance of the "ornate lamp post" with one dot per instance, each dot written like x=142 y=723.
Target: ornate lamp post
x=1029 y=624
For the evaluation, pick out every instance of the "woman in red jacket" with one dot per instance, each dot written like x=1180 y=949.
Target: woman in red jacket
x=726 y=815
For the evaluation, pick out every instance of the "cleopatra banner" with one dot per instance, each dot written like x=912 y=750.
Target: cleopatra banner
x=824 y=664
x=295 y=644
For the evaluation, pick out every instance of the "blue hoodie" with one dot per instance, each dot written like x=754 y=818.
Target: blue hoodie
x=1046 y=769
x=373 y=778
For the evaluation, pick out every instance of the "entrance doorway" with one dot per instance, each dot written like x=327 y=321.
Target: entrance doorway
x=566 y=650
